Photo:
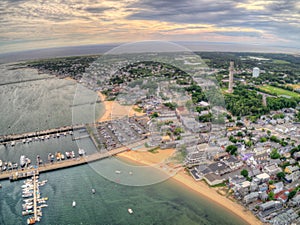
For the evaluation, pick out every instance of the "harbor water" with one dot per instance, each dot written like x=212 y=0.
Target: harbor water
x=44 y=104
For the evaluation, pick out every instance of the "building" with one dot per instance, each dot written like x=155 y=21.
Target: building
x=269 y=207
x=213 y=179
x=255 y=72
x=252 y=197
x=230 y=84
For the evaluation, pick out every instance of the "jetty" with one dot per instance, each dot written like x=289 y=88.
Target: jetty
x=25 y=173
x=6 y=139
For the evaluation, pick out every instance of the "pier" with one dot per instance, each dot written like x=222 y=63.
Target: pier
x=22 y=174
x=35 y=198
x=6 y=139
x=24 y=81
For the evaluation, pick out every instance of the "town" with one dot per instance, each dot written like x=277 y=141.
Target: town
x=239 y=132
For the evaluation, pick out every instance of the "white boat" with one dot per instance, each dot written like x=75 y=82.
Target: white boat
x=81 y=152
x=13 y=143
x=73 y=204
x=93 y=191
x=1 y=163
x=117 y=171
x=130 y=211
x=22 y=160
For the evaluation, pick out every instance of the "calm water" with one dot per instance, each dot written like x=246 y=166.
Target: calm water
x=45 y=104
x=164 y=203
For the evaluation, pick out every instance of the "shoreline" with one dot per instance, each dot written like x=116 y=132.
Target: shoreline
x=199 y=188
x=114 y=110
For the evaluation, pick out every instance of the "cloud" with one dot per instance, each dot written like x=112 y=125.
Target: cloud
x=95 y=21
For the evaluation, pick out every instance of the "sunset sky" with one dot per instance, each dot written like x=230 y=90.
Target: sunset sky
x=31 y=24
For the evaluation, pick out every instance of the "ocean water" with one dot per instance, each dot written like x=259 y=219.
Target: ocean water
x=163 y=203
x=43 y=104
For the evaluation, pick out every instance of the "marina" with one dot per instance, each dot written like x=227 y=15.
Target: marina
x=33 y=203
x=14 y=175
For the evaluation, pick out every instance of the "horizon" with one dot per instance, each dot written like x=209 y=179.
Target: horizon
x=95 y=49
x=30 y=25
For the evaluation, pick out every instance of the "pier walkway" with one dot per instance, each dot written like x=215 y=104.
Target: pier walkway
x=20 y=174
x=5 y=139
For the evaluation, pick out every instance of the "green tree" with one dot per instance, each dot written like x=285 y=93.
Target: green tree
x=271 y=195
x=244 y=173
x=280 y=175
x=292 y=194
x=232 y=149
x=274 y=154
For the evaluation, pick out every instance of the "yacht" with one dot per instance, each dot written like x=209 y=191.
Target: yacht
x=73 y=204
x=22 y=160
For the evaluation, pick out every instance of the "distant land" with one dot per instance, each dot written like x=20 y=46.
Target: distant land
x=102 y=48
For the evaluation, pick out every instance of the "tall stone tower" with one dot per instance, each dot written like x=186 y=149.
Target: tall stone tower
x=231 y=70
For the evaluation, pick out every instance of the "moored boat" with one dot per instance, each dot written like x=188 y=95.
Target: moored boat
x=22 y=160
x=31 y=220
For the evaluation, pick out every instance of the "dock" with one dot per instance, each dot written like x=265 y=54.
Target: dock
x=6 y=139
x=25 y=173
x=35 y=192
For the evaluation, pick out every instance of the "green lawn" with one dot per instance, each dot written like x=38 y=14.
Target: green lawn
x=279 y=91
x=279 y=61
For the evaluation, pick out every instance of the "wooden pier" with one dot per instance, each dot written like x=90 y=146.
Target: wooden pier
x=21 y=174
x=6 y=139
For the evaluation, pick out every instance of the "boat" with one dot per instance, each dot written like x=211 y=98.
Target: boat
x=62 y=156
x=73 y=154
x=4 y=168
x=0 y=185
x=22 y=160
x=9 y=165
x=81 y=151
x=13 y=143
x=1 y=163
x=15 y=166
x=73 y=204
x=57 y=155
x=117 y=171
x=93 y=191
x=31 y=220
x=130 y=211
x=68 y=155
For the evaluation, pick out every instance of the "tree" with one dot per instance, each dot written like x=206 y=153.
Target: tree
x=249 y=143
x=274 y=154
x=280 y=175
x=232 y=149
x=271 y=195
x=244 y=173
x=292 y=194
x=154 y=115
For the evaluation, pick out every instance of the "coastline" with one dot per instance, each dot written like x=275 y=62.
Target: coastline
x=200 y=188
x=114 y=110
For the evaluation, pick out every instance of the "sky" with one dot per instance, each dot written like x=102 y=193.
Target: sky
x=34 y=24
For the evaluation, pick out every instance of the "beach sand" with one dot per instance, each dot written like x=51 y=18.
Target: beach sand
x=114 y=110
x=185 y=179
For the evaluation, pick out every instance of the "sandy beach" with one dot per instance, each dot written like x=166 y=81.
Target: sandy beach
x=114 y=110
x=185 y=179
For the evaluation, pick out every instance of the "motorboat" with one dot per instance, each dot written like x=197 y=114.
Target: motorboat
x=22 y=160
x=130 y=211
x=73 y=204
